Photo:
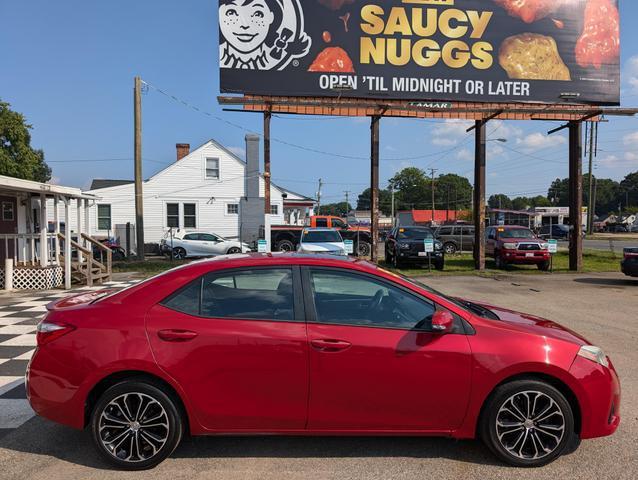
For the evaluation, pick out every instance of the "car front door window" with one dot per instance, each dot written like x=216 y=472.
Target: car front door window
x=343 y=298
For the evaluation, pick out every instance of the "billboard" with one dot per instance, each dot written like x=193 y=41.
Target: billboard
x=547 y=51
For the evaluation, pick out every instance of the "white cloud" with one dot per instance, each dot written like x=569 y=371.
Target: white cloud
x=449 y=132
x=631 y=139
x=631 y=156
x=390 y=148
x=609 y=161
x=465 y=155
x=538 y=141
x=630 y=73
x=501 y=129
x=239 y=151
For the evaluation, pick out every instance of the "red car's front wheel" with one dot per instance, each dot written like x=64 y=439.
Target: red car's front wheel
x=527 y=423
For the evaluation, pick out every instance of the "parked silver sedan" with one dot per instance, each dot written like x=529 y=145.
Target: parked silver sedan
x=201 y=244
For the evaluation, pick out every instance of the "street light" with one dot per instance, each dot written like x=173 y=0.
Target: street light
x=502 y=140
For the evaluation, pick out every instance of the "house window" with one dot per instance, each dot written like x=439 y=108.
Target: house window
x=104 y=217
x=212 y=168
x=190 y=215
x=232 y=209
x=172 y=215
x=8 y=215
x=274 y=209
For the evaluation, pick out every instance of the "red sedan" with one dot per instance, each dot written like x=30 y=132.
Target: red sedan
x=310 y=345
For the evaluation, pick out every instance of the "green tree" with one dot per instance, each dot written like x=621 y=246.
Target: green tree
x=500 y=201
x=17 y=158
x=385 y=201
x=629 y=189
x=340 y=209
x=412 y=189
x=521 y=203
x=608 y=193
x=452 y=192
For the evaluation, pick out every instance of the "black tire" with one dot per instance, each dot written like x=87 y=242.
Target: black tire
x=396 y=263
x=143 y=456
x=544 y=266
x=449 y=248
x=179 y=253
x=505 y=439
x=363 y=249
x=439 y=266
x=233 y=251
x=285 y=246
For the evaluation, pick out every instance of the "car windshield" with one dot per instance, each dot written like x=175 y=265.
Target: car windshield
x=516 y=233
x=321 y=236
x=414 y=233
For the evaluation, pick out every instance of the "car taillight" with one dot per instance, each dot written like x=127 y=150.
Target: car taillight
x=49 y=331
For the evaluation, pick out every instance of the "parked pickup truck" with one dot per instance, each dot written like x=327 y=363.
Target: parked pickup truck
x=516 y=245
x=285 y=238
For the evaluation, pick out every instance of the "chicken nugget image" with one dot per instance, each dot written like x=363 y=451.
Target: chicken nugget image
x=531 y=56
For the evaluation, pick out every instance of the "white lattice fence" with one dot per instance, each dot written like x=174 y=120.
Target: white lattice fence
x=36 y=278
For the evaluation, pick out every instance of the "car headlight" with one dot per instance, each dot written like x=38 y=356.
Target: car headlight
x=438 y=245
x=404 y=246
x=510 y=246
x=595 y=354
x=544 y=246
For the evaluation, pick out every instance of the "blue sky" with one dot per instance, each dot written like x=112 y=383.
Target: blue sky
x=69 y=65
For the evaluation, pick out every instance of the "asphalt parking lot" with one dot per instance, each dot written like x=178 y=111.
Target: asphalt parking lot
x=603 y=307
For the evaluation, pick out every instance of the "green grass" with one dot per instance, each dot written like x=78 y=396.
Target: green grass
x=147 y=268
x=593 y=261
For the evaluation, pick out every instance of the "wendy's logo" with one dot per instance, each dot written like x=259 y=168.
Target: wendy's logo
x=261 y=34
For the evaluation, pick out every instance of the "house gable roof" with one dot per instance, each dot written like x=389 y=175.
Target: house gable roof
x=99 y=183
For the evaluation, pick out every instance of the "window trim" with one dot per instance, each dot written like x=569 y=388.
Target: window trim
x=297 y=294
x=219 y=168
x=166 y=204
x=110 y=217
x=312 y=310
x=232 y=214
x=274 y=205
x=12 y=210
x=196 y=216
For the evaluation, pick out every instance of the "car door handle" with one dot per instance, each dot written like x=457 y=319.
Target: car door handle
x=330 y=345
x=176 y=335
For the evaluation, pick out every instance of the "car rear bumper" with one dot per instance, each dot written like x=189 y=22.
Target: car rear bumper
x=599 y=398
x=51 y=390
x=629 y=267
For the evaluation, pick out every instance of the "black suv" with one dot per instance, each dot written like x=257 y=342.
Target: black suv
x=456 y=238
x=407 y=245
x=557 y=231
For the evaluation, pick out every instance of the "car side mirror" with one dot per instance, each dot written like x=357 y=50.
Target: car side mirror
x=442 y=322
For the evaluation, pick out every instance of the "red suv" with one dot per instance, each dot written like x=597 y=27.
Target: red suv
x=312 y=345
x=516 y=245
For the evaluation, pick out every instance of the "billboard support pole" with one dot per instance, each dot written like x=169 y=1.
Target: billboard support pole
x=575 y=196
x=267 y=117
x=479 y=194
x=374 y=184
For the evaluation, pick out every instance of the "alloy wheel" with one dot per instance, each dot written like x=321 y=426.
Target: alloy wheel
x=133 y=427
x=530 y=425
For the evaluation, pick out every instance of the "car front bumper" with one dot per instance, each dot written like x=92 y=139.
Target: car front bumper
x=411 y=256
x=598 y=397
x=525 y=257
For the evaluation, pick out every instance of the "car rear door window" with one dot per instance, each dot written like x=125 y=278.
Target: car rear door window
x=344 y=298
x=261 y=294
x=264 y=294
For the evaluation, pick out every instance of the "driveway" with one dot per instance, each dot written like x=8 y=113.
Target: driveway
x=604 y=307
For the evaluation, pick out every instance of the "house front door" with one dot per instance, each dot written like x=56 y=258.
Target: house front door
x=8 y=225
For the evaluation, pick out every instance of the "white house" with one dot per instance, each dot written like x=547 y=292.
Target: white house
x=204 y=190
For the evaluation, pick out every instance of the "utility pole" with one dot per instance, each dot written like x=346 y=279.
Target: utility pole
x=347 y=192
x=319 y=197
x=392 y=191
x=447 y=212
x=139 y=194
x=590 y=205
x=432 y=172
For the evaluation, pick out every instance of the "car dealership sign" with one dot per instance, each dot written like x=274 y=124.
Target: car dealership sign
x=437 y=50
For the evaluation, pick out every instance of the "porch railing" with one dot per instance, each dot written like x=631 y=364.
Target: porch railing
x=26 y=250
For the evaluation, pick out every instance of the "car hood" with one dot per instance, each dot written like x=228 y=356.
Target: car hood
x=535 y=325
x=521 y=240
x=322 y=247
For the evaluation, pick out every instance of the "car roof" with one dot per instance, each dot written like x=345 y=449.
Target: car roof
x=320 y=229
